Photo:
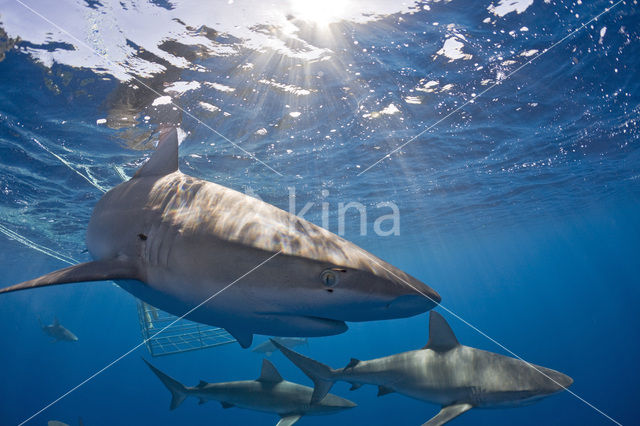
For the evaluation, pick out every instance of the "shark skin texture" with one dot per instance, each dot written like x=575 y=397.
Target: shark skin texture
x=268 y=393
x=444 y=372
x=174 y=241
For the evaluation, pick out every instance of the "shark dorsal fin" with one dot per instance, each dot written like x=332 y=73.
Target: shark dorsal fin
x=165 y=159
x=269 y=373
x=56 y=322
x=441 y=337
x=202 y=384
x=352 y=363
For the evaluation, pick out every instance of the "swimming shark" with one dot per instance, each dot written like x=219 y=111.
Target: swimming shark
x=268 y=348
x=268 y=393
x=58 y=332
x=444 y=372
x=176 y=241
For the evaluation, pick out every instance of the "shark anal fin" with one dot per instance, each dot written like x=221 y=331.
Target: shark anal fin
x=243 y=337
x=441 y=337
x=226 y=404
x=447 y=414
x=355 y=386
x=165 y=160
x=289 y=420
x=352 y=363
x=99 y=270
x=383 y=390
x=269 y=373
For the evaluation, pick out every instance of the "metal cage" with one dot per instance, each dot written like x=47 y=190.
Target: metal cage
x=183 y=336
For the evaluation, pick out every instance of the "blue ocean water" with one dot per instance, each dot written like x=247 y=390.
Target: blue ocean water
x=520 y=208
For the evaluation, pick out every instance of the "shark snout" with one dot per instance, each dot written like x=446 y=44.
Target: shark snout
x=413 y=304
x=562 y=381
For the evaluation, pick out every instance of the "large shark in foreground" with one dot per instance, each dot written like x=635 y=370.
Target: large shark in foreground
x=269 y=393
x=444 y=372
x=176 y=241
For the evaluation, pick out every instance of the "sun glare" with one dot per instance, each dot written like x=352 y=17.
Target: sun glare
x=319 y=12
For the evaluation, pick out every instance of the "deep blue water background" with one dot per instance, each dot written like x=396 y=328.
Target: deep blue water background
x=524 y=218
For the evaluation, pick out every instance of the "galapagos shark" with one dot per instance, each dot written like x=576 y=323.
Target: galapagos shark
x=176 y=241
x=444 y=372
x=269 y=393
x=268 y=348
x=58 y=332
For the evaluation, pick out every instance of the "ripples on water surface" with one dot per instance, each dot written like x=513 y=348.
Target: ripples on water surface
x=321 y=91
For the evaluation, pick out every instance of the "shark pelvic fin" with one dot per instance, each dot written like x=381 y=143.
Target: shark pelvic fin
x=441 y=337
x=269 y=373
x=289 y=419
x=165 y=160
x=99 y=270
x=201 y=401
x=243 y=337
x=355 y=386
x=226 y=404
x=383 y=390
x=448 y=413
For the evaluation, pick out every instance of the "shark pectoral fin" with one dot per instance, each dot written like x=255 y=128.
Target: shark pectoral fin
x=225 y=404
x=447 y=414
x=441 y=337
x=243 y=337
x=288 y=420
x=99 y=270
x=383 y=390
x=355 y=386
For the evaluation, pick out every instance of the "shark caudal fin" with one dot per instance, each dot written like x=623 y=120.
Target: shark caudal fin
x=321 y=374
x=99 y=270
x=177 y=389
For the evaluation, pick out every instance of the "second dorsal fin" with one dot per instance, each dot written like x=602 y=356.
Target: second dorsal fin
x=441 y=337
x=269 y=373
x=165 y=160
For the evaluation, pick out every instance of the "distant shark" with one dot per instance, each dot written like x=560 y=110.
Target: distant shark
x=269 y=348
x=58 y=332
x=174 y=241
x=444 y=372
x=269 y=393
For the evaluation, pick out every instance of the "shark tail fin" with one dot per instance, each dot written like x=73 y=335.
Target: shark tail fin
x=321 y=374
x=177 y=389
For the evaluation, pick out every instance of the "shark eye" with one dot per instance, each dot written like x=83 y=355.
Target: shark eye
x=329 y=277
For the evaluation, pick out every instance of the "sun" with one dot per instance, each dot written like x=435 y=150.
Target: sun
x=319 y=12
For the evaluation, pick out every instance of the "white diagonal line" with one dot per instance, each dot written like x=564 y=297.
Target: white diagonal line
x=491 y=339
x=492 y=86
x=35 y=12
x=97 y=373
